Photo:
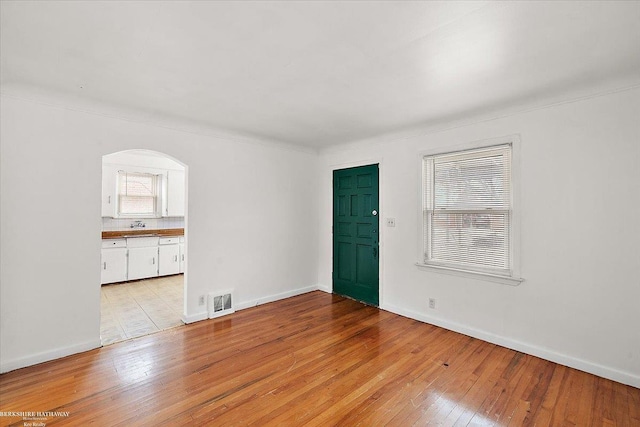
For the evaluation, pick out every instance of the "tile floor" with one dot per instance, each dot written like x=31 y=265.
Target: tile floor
x=134 y=309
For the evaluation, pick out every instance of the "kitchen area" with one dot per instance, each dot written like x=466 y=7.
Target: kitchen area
x=143 y=254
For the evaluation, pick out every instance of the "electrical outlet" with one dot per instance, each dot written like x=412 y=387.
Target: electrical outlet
x=432 y=303
x=391 y=222
x=201 y=300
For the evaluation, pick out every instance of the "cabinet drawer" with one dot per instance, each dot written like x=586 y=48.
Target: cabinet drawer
x=169 y=240
x=114 y=243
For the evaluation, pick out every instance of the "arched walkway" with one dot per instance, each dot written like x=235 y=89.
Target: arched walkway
x=143 y=256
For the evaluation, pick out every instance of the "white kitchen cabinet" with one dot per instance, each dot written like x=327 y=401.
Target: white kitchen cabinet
x=109 y=190
x=135 y=258
x=181 y=245
x=114 y=265
x=169 y=256
x=175 y=193
x=143 y=257
x=143 y=263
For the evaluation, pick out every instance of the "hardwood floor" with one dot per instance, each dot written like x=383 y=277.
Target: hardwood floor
x=317 y=360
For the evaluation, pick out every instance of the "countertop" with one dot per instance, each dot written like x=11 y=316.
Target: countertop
x=164 y=232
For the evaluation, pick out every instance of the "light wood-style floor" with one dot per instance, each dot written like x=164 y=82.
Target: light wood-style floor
x=133 y=309
x=315 y=359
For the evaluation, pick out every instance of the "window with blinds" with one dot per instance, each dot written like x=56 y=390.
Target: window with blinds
x=467 y=208
x=137 y=194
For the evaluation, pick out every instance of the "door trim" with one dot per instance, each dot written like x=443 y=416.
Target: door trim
x=381 y=229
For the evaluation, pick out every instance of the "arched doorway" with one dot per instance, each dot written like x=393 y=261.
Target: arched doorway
x=143 y=259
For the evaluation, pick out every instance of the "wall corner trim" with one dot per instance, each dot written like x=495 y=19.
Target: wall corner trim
x=325 y=288
x=47 y=356
x=607 y=372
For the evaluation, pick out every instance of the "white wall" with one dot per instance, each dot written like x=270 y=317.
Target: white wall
x=252 y=221
x=580 y=200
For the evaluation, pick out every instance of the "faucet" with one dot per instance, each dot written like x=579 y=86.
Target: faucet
x=138 y=224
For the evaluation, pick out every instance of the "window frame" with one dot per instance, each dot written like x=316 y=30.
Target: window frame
x=510 y=278
x=157 y=198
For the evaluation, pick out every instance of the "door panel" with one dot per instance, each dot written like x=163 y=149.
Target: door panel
x=344 y=263
x=355 y=233
x=363 y=270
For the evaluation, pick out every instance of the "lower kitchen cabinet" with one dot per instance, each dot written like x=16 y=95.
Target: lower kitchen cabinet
x=169 y=259
x=114 y=265
x=143 y=262
x=134 y=258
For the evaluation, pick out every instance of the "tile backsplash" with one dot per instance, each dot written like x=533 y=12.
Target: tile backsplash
x=116 y=224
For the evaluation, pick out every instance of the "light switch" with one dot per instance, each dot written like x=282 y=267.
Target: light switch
x=391 y=222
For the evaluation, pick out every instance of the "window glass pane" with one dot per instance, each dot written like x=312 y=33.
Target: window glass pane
x=138 y=185
x=137 y=205
x=472 y=183
x=474 y=239
x=137 y=194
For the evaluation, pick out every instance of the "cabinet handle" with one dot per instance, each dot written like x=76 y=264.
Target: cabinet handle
x=175 y=258
x=104 y=265
x=154 y=260
x=109 y=199
x=183 y=257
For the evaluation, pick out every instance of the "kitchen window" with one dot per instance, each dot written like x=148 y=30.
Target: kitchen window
x=138 y=194
x=467 y=210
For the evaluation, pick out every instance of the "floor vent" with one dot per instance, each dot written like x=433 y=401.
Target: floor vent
x=220 y=304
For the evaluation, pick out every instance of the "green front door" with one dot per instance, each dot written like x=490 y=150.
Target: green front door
x=355 y=233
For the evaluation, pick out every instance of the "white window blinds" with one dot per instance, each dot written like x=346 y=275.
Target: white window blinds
x=137 y=194
x=467 y=209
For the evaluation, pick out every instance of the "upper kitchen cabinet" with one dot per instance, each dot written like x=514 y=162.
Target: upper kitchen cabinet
x=109 y=190
x=175 y=200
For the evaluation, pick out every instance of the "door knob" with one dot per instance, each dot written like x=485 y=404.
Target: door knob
x=374 y=213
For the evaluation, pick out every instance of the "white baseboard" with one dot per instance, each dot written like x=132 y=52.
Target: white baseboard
x=252 y=303
x=221 y=313
x=196 y=317
x=275 y=297
x=543 y=353
x=45 y=356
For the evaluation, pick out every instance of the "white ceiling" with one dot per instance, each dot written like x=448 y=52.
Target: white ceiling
x=319 y=73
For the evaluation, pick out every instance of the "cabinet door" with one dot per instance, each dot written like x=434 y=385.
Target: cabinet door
x=114 y=265
x=169 y=260
x=109 y=190
x=143 y=263
x=175 y=193
x=181 y=257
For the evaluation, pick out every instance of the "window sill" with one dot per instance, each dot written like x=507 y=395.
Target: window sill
x=512 y=281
